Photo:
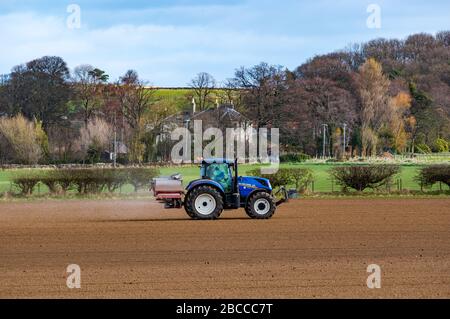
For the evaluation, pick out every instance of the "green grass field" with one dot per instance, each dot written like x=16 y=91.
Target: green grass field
x=180 y=97
x=322 y=180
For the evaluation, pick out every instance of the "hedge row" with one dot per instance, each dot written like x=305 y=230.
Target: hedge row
x=97 y=180
x=84 y=180
x=294 y=158
x=430 y=175
x=357 y=177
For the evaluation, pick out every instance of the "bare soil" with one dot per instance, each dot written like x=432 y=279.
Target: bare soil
x=311 y=248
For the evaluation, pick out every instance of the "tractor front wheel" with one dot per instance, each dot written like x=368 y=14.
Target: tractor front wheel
x=205 y=203
x=260 y=206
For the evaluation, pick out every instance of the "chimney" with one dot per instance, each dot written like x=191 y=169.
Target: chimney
x=193 y=106
x=217 y=103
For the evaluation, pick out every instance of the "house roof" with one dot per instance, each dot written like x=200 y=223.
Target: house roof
x=223 y=113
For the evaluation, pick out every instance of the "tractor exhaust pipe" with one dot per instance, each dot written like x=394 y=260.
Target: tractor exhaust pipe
x=236 y=174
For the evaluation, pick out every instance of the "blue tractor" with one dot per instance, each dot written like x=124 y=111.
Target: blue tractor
x=219 y=188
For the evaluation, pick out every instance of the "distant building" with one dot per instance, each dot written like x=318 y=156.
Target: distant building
x=223 y=116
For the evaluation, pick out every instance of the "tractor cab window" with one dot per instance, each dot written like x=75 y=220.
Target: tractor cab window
x=221 y=174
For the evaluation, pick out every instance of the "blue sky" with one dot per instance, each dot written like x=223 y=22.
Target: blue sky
x=168 y=42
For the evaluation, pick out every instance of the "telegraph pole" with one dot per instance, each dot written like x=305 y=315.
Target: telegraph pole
x=188 y=141
x=325 y=126
x=345 y=139
x=115 y=141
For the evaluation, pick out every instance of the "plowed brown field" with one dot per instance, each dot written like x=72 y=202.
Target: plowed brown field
x=311 y=248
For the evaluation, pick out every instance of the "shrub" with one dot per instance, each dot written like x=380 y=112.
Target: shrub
x=115 y=178
x=287 y=176
x=64 y=178
x=294 y=158
x=360 y=177
x=94 y=139
x=301 y=177
x=440 y=146
x=49 y=179
x=276 y=180
x=140 y=176
x=26 y=182
x=41 y=138
x=430 y=175
x=85 y=180
x=23 y=138
x=90 y=180
x=93 y=180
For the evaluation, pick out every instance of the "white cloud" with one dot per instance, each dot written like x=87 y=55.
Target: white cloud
x=151 y=49
x=171 y=44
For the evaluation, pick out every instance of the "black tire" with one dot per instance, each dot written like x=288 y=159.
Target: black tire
x=187 y=206
x=212 y=197
x=188 y=209
x=255 y=209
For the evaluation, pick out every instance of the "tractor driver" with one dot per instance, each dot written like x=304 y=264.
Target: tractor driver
x=217 y=173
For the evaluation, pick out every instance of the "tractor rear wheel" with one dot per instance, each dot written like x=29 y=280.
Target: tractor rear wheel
x=205 y=203
x=260 y=206
x=188 y=209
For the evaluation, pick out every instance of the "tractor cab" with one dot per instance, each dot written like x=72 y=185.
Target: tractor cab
x=220 y=171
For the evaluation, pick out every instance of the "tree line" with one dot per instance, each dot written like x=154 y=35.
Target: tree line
x=390 y=96
x=386 y=95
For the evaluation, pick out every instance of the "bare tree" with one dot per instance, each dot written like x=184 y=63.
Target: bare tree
x=202 y=85
x=230 y=94
x=263 y=93
x=89 y=83
x=135 y=98
x=312 y=103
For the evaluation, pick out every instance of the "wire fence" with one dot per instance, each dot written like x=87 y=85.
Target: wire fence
x=396 y=185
